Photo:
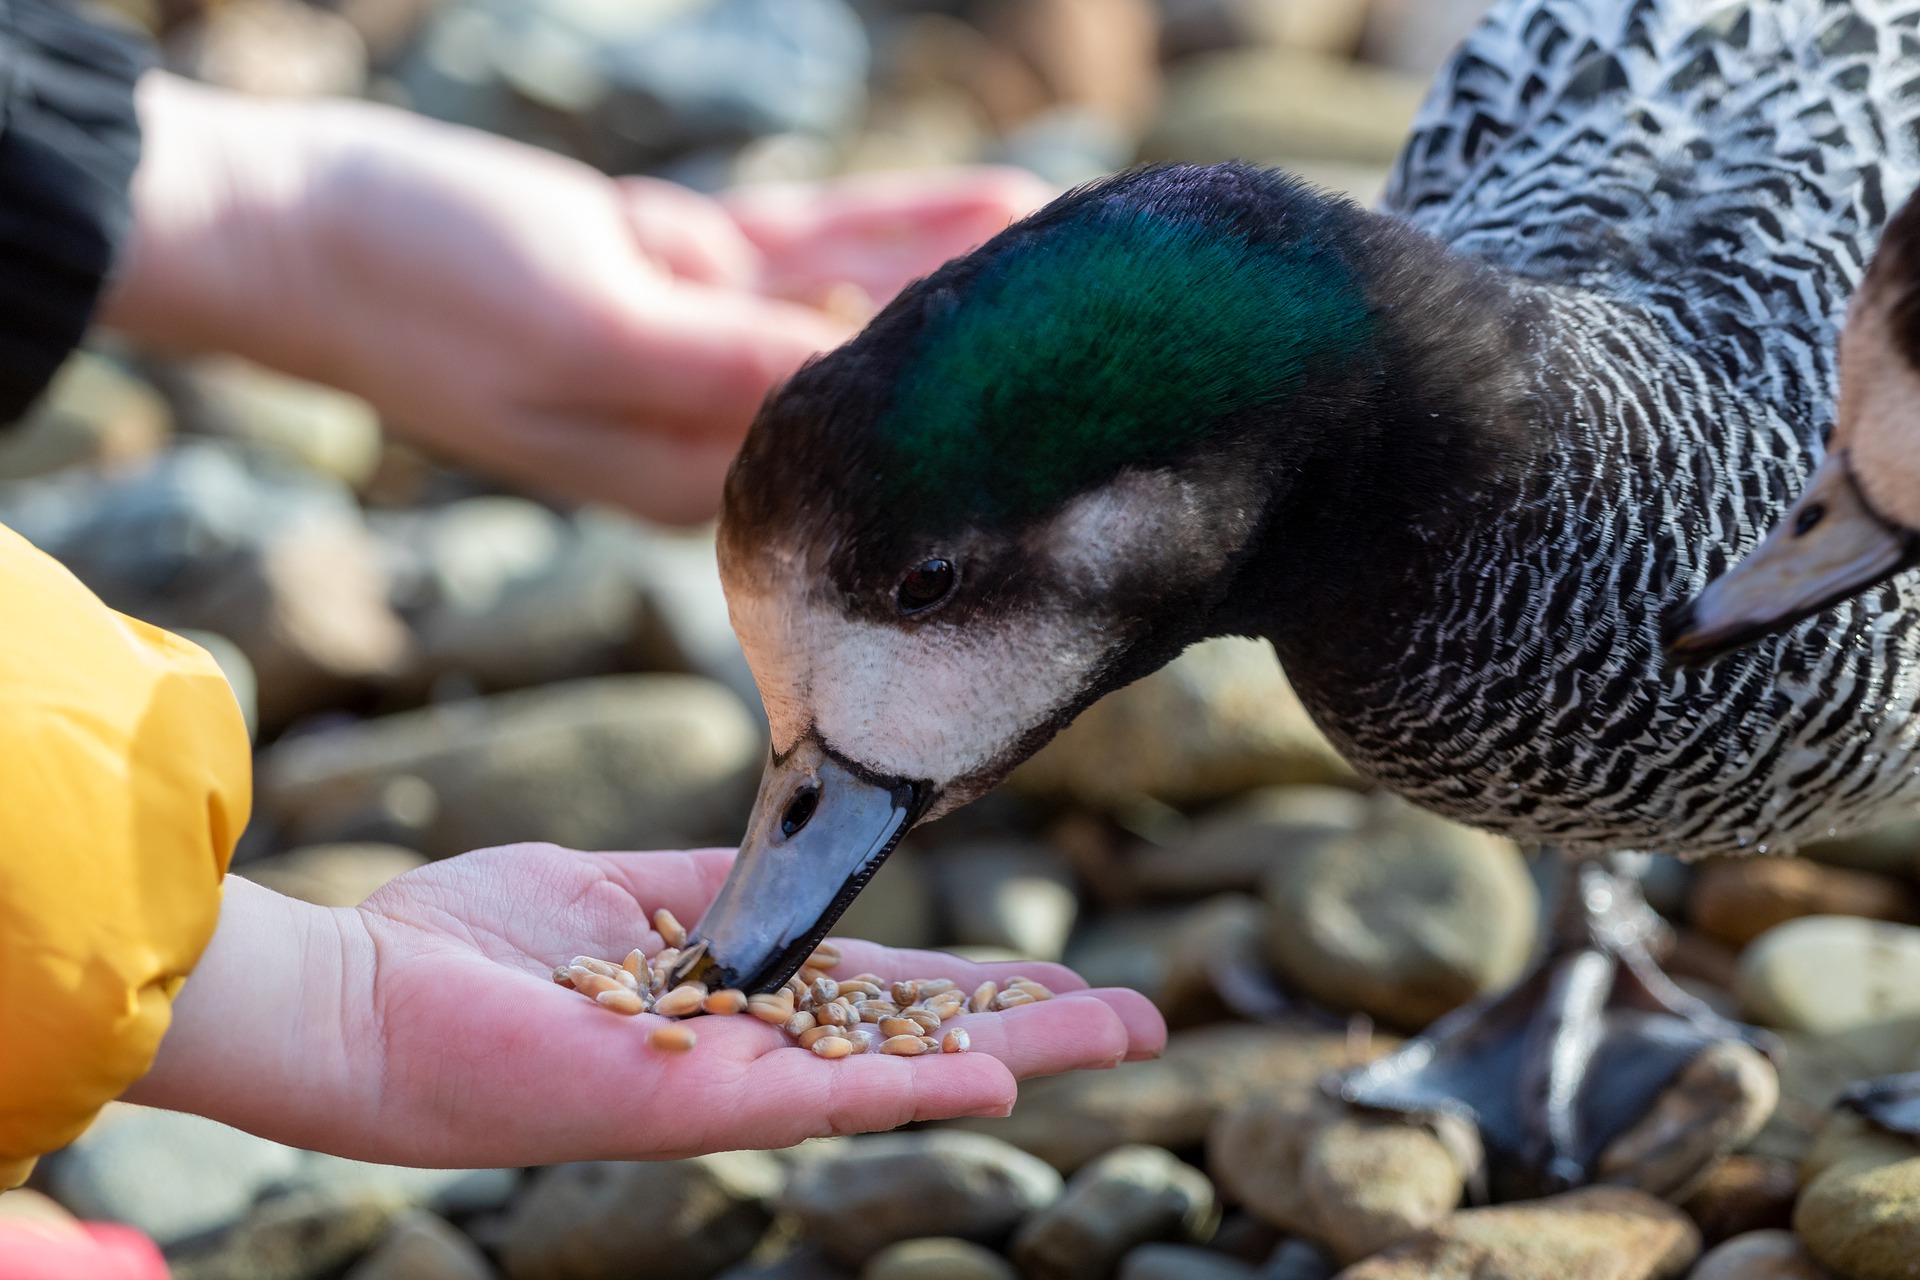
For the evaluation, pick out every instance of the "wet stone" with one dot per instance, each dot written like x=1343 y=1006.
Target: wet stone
x=1182 y=1262
x=1356 y=1183
x=1742 y=1194
x=1815 y=1069
x=308 y=1235
x=937 y=1258
x=1130 y=1196
x=856 y=1196
x=1735 y=900
x=1171 y=1101
x=322 y=429
x=1298 y=1260
x=618 y=1221
x=1760 y=1255
x=1823 y=974
x=1405 y=919
x=1860 y=1210
x=1596 y=1233
x=423 y=1247
x=622 y=762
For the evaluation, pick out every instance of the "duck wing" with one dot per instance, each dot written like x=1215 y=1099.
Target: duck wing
x=1725 y=165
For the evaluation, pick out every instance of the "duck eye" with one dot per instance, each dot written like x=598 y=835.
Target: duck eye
x=926 y=585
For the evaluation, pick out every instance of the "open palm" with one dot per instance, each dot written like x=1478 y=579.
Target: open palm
x=441 y=1038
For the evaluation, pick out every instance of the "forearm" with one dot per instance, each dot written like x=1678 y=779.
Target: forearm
x=249 y=1044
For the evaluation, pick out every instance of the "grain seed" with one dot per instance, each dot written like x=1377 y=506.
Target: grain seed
x=833 y=1047
x=901 y=1026
x=956 y=1041
x=983 y=997
x=904 y=1046
x=672 y=1037
x=627 y=1002
x=726 y=1000
x=682 y=1000
x=801 y=1023
x=670 y=929
x=825 y=956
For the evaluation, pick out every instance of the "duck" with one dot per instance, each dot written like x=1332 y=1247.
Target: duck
x=1857 y=523
x=1458 y=458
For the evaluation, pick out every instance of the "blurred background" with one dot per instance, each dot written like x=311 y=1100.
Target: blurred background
x=434 y=663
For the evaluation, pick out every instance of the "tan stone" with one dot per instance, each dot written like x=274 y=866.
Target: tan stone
x=1860 y=1212
x=1737 y=899
x=1761 y=1255
x=1596 y=1233
x=1742 y=1194
x=1718 y=1101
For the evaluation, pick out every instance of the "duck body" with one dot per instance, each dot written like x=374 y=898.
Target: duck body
x=1681 y=198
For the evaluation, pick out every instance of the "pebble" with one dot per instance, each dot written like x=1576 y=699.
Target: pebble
x=622 y=762
x=1130 y=1196
x=1017 y=895
x=855 y=1196
x=1814 y=1069
x=1595 y=1233
x=1234 y=848
x=95 y=413
x=277 y=47
x=1760 y=1255
x=1215 y=963
x=423 y=1247
x=593 y=1221
x=1822 y=974
x=169 y=1174
x=323 y=430
x=1859 y=1212
x=1182 y=1262
x=1214 y=722
x=1277 y=106
x=308 y=1235
x=1171 y=1101
x=331 y=875
x=1355 y=1183
x=1740 y=1194
x=937 y=1258
x=214 y=536
x=1405 y=919
x=1298 y=1260
x=1737 y=899
x=1717 y=1103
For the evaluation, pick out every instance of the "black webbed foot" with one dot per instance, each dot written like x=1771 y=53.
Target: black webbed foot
x=1892 y=1102
x=1552 y=1071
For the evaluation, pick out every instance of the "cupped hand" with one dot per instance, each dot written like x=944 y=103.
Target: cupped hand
x=440 y=1037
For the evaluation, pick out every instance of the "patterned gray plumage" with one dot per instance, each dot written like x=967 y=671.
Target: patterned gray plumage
x=1693 y=189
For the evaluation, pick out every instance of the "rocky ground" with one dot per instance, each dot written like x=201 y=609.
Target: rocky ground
x=433 y=664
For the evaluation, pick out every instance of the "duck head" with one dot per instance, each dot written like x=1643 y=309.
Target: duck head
x=1858 y=521
x=1039 y=474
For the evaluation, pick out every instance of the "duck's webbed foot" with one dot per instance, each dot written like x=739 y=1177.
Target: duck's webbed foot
x=1892 y=1102
x=1573 y=1057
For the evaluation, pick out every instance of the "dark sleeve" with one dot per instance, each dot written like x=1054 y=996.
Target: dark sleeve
x=69 y=141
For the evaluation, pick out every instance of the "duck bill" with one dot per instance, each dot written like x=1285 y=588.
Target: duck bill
x=1829 y=545
x=821 y=827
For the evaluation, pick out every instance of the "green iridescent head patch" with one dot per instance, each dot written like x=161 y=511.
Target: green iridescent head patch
x=1112 y=338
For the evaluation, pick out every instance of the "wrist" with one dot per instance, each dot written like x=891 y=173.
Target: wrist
x=255 y=1039
x=218 y=256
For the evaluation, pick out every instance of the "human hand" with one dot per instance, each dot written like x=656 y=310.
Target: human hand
x=511 y=308
x=424 y=1027
x=877 y=232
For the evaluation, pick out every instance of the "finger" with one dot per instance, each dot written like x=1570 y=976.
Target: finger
x=689 y=234
x=1074 y=1032
x=774 y=215
x=1146 y=1028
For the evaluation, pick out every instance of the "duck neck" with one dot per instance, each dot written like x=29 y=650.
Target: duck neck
x=1396 y=452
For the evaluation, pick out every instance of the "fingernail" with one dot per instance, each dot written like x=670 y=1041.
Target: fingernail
x=998 y=1111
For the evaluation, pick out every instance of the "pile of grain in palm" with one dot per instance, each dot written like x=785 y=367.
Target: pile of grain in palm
x=834 y=1018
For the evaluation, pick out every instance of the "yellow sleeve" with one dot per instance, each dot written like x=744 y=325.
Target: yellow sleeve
x=124 y=781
